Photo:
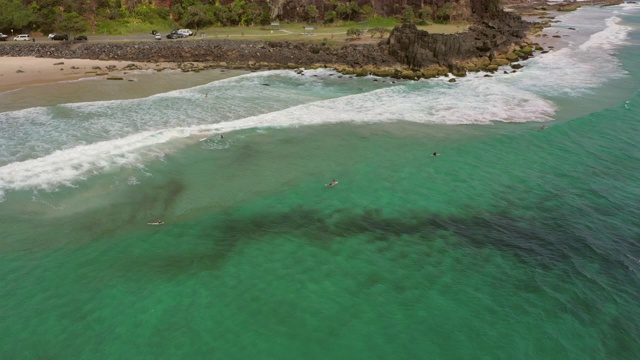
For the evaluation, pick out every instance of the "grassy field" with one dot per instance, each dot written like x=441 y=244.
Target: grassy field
x=318 y=33
x=333 y=34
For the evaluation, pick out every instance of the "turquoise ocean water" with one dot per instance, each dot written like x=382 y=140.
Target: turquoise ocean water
x=513 y=243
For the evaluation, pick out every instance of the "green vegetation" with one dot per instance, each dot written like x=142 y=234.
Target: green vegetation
x=354 y=32
x=379 y=31
x=118 y=17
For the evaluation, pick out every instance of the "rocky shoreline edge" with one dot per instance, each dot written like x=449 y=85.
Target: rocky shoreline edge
x=408 y=53
x=358 y=60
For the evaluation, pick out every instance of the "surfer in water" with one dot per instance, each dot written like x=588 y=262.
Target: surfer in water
x=332 y=183
x=435 y=153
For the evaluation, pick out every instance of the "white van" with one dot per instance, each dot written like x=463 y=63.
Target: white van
x=22 y=37
x=186 y=32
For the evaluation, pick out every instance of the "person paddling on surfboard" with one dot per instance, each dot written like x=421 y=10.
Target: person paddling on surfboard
x=332 y=183
x=435 y=153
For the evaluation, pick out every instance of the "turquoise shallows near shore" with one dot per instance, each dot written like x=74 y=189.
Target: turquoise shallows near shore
x=514 y=243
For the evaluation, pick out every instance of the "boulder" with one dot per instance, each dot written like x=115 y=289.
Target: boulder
x=500 y=62
x=511 y=56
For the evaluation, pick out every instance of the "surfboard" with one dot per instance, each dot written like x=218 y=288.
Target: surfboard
x=155 y=223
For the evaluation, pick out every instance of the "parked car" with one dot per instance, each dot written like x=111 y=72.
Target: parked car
x=158 y=36
x=81 y=38
x=176 y=35
x=185 y=31
x=60 y=37
x=22 y=37
x=3 y=37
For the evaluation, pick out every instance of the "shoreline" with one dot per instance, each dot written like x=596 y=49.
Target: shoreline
x=25 y=71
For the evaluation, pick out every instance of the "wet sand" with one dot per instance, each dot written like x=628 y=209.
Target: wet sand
x=17 y=72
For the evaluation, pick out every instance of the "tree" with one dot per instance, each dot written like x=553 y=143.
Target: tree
x=230 y=15
x=16 y=16
x=265 y=16
x=348 y=11
x=407 y=14
x=236 y=11
x=72 y=23
x=425 y=14
x=329 y=17
x=252 y=14
x=197 y=17
x=178 y=11
x=311 y=13
x=45 y=15
x=367 y=11
x=343 y=11
x=443 y=14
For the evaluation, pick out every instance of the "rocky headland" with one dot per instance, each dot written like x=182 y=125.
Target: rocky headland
x=409 y=53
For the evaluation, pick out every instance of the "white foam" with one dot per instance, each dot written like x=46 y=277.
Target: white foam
x=68 y=143
x=472 y=100
x=64 y=167
x=612 y=37
x=576 y=70
x=630 y=8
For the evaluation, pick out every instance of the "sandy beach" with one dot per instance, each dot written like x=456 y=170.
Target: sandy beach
x=17 y=72
x=20 y=72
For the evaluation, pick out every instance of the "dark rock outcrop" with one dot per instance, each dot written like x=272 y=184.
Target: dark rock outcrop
x=419 y=49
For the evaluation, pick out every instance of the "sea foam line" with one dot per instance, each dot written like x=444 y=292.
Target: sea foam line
x=65 y=167
x=474 y=99
x=612 y=37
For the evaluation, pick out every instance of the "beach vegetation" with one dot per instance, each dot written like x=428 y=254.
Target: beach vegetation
x=425 y=16
x=330 y=17
x=72 y=23
x=311 y=12
x=15 y=16
x=197 y=17
x=348 y=11
x=379 y=31
x=123 y=17
x=408 y=15
x=443 y=14
x=354 y=32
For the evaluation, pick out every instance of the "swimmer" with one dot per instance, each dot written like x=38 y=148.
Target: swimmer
x=332 y=183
